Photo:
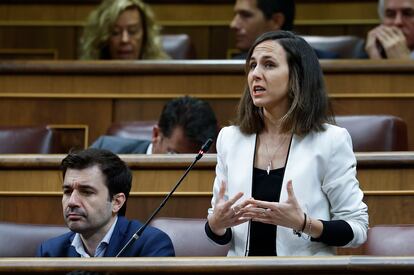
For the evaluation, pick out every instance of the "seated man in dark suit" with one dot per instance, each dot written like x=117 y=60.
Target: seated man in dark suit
x=184 y=125
x=96 y=186
x=255 y=17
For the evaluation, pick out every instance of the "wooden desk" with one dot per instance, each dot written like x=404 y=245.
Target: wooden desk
x=34 y=183
x=345 y=265
x=99 y=93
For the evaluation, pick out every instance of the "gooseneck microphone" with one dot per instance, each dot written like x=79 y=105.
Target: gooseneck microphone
x=138 y=234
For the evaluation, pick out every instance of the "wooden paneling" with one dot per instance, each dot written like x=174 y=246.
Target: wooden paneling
x=346 y=265
x=99 y=93
x=195 y=13
x=380 y=178
x=43 y=208
x=187 y=12
x=154 y=173
x=96 y=113
x=28 y=54
x=71 y=136
x=390 y=207
x=34 y=182
x=158 y=173
x=57 y=41
x=47 y=209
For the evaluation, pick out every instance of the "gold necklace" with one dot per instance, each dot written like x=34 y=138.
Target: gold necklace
x=269 y=165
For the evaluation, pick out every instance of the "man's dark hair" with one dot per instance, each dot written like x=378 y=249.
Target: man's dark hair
x=195 y=116
x=117 y=174
x=286 y=7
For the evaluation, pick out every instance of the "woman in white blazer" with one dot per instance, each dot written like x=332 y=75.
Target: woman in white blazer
x=285 y=177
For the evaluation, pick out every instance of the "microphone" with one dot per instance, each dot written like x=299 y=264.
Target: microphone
x=139 y=232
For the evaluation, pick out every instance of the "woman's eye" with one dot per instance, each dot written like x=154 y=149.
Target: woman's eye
x=252 y=65
x=133 y=31
x=115 y=33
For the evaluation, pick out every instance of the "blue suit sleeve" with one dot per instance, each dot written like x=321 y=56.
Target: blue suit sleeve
x=98 y=144
x=157 y=244
x=39 y=251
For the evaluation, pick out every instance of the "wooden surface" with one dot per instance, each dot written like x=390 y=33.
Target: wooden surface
x=377 y=171
x=46 y=208
x=56 y=26
x=34 y=183
x=217 y=265
x=106 y=92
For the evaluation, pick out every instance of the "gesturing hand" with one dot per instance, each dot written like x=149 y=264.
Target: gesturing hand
x=225 y=213
x=287 y=214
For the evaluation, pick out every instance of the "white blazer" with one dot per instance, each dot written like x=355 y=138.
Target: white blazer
x=322 y=167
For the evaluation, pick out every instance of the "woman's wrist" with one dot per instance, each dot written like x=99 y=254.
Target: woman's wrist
x=301 y=226
x=313 y=228
x=216 y=230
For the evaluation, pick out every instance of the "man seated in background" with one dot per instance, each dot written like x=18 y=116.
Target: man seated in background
x=394 y=38
x=121 y=29
x=254 y=17
x=183 y=127
x=96 y=185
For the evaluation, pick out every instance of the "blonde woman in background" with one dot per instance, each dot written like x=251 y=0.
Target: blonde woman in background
x=122 y=29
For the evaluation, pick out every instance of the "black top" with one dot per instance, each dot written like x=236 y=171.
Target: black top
x=265 y=188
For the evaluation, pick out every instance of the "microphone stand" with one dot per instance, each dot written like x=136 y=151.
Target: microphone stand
x=138 y=234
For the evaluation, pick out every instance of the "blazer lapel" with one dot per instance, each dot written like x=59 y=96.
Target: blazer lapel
x=117 y=240
x=71 y=251
x=240 y=165
x=251 y=151
x=290 y=166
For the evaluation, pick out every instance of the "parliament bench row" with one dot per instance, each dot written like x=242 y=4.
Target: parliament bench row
x=368 y=133
x=384 y=207
x=99 y=94
x=35 y=182
x=189 y=239
x=58 y=24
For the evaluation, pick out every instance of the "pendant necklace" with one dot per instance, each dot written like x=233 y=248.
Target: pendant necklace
x=269 y=164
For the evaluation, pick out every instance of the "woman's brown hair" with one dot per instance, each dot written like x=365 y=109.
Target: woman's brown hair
x=309 y=104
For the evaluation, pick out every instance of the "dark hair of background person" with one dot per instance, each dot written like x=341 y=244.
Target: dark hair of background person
x=286 y=7
x=117 y=173
x=195 y=116
x=309 y=103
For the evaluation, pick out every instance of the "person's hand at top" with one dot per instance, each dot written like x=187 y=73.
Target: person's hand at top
x=392 y=41
x=226 y=213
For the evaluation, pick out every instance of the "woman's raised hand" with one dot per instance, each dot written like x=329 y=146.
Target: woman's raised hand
x=288 y=214
x=225 y=214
